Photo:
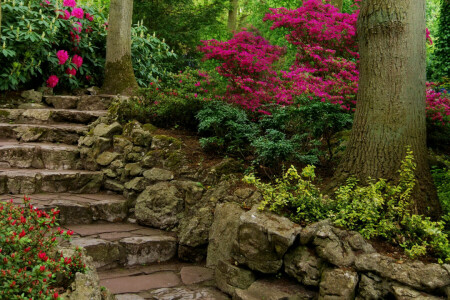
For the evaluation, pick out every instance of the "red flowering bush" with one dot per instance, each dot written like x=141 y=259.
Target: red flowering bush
x=30 y=266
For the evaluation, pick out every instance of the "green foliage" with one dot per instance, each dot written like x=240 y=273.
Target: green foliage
x=379 y=209
x=173 y=103
x=228 y=127
x=151 y=57
x=441 y=60
x=31 y=36
x=441 y=177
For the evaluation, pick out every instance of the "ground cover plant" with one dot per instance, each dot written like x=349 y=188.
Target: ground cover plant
x=379 y=209
x=31 y=267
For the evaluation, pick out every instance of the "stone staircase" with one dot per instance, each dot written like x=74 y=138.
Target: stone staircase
x=39 y=157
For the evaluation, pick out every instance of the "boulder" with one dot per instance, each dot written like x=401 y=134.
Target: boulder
x=263 y=239
x=338 y=284
x=106 y=158
x=229 y=277
x=186 y=293
x=105 y=254
x=105 y=130
x=133 y=169
x=223 y=232
x=335 y=245
x=136 y=184
x=303 y=264
x=158 y=206
x=32 y=95
x=274 y=289
x=373 y=287
x=427 y=277
x=149 y=249
x=62 y=102
x=164 y=142
x=405 y=293
x=157 y=174
x=141 y=137
x=192 y=191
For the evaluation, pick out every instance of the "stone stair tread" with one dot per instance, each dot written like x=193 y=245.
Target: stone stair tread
x=10 y=143
x=90 y=112
x=65 y=126
x=33 y=172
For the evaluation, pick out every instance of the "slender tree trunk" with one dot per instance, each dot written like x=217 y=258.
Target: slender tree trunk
x=338 y=3
x=390 y=112
x=119 y=74
x=233 y=15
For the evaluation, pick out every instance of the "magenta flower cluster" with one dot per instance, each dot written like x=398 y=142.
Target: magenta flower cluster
x=325 y=68
x=74 y=63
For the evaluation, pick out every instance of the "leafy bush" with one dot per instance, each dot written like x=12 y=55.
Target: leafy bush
x=380 y=209
x=34 y=31
x=228 y=127
x=172 y=103
x=441 y=177
x=30 y=266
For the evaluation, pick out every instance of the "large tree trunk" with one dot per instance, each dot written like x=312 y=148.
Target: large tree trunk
x=338 y=3
x=233 y=15
x=119 y=74
x=390 y=113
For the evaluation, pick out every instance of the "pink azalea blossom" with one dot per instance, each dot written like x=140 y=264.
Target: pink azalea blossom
x=77 y=60
x=52 y=81
x=77 y=26
x=62 y=56
x=69 y=3
x=89 y=17
x=71 y=71
x=64 y=14
x=78 y=13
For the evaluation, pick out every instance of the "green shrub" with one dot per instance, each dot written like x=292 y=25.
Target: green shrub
x=30 y=265
x=227 y=126
x=379 y=209
x=441 y=177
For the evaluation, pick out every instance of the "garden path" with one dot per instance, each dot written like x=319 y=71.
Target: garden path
x=39 y=157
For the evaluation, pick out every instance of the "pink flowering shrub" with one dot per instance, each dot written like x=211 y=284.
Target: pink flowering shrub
x=325 y=66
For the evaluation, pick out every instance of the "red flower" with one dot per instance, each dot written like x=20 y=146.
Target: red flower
x=22 y=234
x=42 y=268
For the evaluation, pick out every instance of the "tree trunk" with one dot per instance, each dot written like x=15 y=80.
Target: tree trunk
x=233 y=15
x=119 y=74
x=390 y=112
x=338 y=3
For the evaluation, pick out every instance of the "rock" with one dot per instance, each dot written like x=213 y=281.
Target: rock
x=110 y=210
x=32 y=95
x=195 y=275
x=149 y=249
x=156 y=174
x=120 y=143
x=303 y=264
x=229 y=277
x=405 y=293
x=37 y=114
x=228 y=166
x=164 y=142
x=104 y=130
x=263 y=239
x=105 y=254
x=90 y=102
x=93 y=90
x=62 y=102
x=192 y=191
x=338 y=284
x=141 y=137
x=187 y=293
x=274 y=289
x=218 y=193
x=133 y=169
x=427 y=277
x=158 y=206
x=31 y=106
x=129 y=297
x=373 y=287
x=136 y=184
x=106 y=158
x=113 y=185
x=223 y=233
x=335 y=245
x=194 y=230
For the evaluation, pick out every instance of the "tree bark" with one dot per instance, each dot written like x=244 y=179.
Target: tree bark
x=390 y=111
x=233 y=15
x=119 y=74
x=338 y=3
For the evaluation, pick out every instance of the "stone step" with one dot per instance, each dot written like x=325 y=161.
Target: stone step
x=30 y=181
x=49 y=116
x=76 y=209
x=14 y=154
x=86 y=102
x=113 y=245
x=169 y=280
x=54 y=133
